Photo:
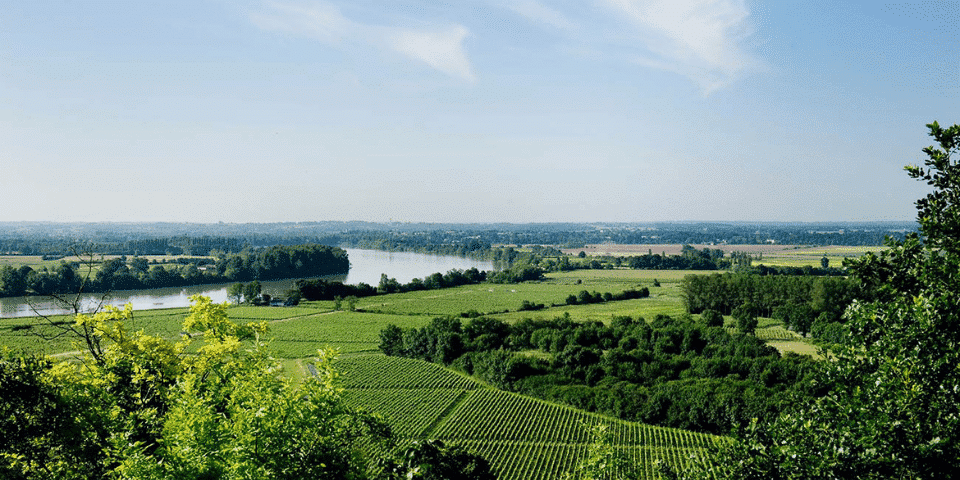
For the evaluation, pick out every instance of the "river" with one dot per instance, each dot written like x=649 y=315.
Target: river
x=365 y=266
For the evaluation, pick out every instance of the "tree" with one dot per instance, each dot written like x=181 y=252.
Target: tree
x=391 y=340
x=746 y=318
x=711 y=318
x=293 y=297
x=142 y=407
x=351 y=302
x=235 y=292
x=251 y=291
x=889 y=404
x=432 y=460
x=824 y=262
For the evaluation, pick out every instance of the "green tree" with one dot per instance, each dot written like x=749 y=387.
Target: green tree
x=139 y=406
x=746 y=319
x=251 y=291
x=890 y=403
x=235 y=292
x=432 y=460
x=391 y=340
x=711 y=318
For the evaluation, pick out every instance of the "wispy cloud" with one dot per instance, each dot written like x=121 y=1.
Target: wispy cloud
x=440 y=47
x=700 y=39
x=536 y=11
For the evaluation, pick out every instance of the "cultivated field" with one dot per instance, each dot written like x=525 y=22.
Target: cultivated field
x=772 y=254
x=524 y=438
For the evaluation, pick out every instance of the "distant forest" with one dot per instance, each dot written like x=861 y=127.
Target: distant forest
x=119 y=273
x=53 y=239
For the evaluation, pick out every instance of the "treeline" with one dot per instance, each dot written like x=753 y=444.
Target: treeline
x=119 y=273
x=804 y=303
x=56 y=239
x=675 y=372
x=53 y=247
x=689 y=259
x=320 y=289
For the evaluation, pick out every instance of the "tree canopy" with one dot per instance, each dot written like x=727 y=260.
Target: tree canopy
x=889 y=398
x=139 y=406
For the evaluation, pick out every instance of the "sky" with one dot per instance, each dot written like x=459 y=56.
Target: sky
x=471 y=110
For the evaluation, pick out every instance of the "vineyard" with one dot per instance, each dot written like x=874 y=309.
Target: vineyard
x=524 y=438
x=350 y=332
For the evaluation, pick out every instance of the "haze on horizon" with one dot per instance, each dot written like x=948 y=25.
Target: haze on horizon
x=475 y=111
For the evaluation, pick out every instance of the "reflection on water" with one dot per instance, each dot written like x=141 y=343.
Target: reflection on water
x=365 y=266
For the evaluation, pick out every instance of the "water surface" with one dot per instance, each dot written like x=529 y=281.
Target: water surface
x=365 y=266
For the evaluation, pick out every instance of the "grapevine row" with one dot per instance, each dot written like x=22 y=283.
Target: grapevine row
x=409 y=411
x=377 y=371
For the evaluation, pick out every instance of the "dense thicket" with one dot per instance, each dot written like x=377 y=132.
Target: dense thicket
x=804 y=303
x=725 y=292
x=674 y=372
x=122 y=274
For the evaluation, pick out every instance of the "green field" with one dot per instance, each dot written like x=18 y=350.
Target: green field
x=36 y=262
x=524 y=438
x=803 y=256
x=498 y=299
x=296 y=332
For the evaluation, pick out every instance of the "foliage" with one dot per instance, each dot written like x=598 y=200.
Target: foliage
x=890 y=401
x=603 y=461
x=725 y=292
x=119 y=273
x=140 y=407
x=671 y=372
x=711 y=318
x=433 y=460
x=746 y=319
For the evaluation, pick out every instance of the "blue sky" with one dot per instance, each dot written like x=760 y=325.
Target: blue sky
x=470 y=111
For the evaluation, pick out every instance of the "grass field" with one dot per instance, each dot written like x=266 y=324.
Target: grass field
x=298 y=331
x=498 y=299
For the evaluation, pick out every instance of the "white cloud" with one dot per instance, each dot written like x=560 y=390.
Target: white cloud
x=442 y=50
x=536 y=11
x=437 y=47
x=700 y=39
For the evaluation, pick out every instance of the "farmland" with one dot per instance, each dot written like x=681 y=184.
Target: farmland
x=524 y=438
x=763 y=254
